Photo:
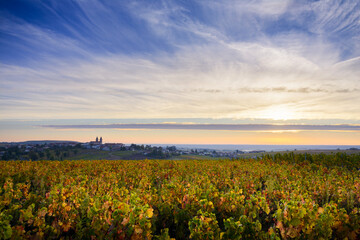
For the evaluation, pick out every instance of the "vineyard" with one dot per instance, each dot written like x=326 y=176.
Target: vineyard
x=289 y=196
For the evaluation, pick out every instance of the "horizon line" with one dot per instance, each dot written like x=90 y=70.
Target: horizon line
x=170 y=144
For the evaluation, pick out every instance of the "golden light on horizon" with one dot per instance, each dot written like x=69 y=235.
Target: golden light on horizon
x=172 y=136
x=279 y=112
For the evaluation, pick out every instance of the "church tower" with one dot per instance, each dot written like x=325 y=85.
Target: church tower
x=100 y=140
x=97 y=139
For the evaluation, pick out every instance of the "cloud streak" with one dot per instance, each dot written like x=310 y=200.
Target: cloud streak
x=166 y=59
x=278 y=90
x=193 y=83
x=228 y=127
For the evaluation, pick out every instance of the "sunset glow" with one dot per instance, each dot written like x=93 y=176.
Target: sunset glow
x=278 y=113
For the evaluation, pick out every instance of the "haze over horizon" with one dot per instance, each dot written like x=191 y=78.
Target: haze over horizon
x=67 y=66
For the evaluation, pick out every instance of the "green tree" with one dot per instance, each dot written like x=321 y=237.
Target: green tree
x=33 y=156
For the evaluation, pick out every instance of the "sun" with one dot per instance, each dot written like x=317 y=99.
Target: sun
x=278 y=113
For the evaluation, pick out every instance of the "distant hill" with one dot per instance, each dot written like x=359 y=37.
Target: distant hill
x=40 y=142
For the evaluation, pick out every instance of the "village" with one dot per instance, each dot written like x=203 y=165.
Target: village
x=71 y=150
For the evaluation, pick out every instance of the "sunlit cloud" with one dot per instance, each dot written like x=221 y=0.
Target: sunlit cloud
x=173 y=86
x=280 y=60
x=228 y=127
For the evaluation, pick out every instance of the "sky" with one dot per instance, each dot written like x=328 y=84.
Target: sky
x=248 y=69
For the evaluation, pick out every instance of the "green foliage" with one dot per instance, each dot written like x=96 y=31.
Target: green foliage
x=244 y=228
x=5 y=227
x=204 y=226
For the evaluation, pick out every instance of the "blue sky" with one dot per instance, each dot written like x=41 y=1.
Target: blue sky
x=248 y=61
x=34 y=31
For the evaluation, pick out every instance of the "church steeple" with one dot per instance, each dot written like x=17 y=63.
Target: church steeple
x=97 y=139
x=100 y=140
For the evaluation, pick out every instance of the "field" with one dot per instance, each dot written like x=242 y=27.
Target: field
x=93 y=154
x=281 y=196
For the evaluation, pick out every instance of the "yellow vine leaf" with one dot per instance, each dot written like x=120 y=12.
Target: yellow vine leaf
x=320 y=210
x=138 y=230
x=150 y=212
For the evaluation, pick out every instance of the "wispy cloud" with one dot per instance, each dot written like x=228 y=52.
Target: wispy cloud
x=229 y=127
x=170 y=59
x=276 y=90
x=174 y=86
